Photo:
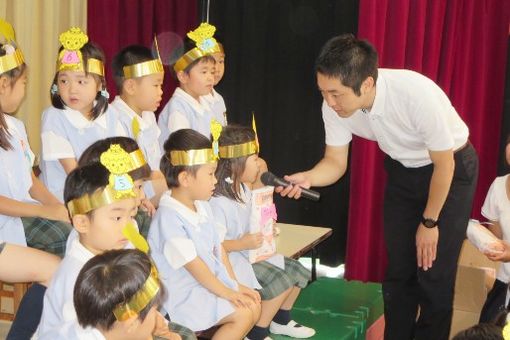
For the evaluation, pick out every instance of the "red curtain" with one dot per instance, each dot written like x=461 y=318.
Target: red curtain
x=460 y=44
x=115 y=24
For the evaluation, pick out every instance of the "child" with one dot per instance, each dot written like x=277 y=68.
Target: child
x=195 y=72
x=280 y=284
x=214 y=99
x=116 y=296
x=138 y=77
x=141 y=173
x=79 y=113
x=186 y=247
x=497 y=210
x=29 y=214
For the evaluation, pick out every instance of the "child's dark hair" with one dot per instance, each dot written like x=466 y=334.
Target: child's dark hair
x=188 y=46
x=94 y=151
x=349 y=59
x=483 y=331
x=85 y=180
x=232 y=167
x=128 y=56
x=184 y=140
x=89 y=50
x=13 y=75
x=109 y=280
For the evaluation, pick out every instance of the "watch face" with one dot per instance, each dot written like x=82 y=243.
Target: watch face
x=429 y=223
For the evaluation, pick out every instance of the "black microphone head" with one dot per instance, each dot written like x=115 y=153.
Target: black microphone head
x=267 y=178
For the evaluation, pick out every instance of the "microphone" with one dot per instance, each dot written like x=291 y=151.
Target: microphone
x=269 y=178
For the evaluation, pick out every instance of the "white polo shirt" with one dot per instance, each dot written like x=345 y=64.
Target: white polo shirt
x=410 y=115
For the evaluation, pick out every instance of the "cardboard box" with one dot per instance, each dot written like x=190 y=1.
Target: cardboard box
x=475 y=277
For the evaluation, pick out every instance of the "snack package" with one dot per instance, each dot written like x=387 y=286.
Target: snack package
x=263 y=216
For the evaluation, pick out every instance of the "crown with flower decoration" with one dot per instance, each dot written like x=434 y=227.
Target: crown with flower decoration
x=70 y=57
x=205 y=44
x=13 y=56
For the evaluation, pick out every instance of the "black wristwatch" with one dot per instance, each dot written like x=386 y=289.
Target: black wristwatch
x=428 y=222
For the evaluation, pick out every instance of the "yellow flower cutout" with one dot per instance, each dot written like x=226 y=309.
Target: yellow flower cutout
x=203 y=37
x=70 y=58
x=73 y=39
x=216 y=129
x=7 y=31
x=119 y=163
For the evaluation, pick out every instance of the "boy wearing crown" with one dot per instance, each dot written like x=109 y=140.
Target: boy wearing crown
x=195 y=71
x=101 y=203
x=138 y=77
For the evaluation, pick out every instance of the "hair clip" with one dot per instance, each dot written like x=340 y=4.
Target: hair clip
x=105 y=93
x=229 y=180
x=54 y=89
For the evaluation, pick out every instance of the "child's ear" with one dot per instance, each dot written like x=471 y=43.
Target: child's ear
x=81 y=223
x=129 y=86
x=183 y=178
x=182 y=77
x=5 y=83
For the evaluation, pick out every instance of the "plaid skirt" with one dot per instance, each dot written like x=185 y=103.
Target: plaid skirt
x=47 y=235
x=275 y=281
x=144 y=222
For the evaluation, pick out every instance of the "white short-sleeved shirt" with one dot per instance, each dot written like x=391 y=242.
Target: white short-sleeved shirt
x=177 y=236
x=148 y=136
x=497 y=208
x=58 y=304
x=184 y=112
x=16 y=178
x=217 y=105
x=72 y=330
x=410 y=115
x=66 y=134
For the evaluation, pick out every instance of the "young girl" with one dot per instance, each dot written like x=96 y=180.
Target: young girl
x=79 y=113
x=22 y=195
x=186 y=248
x=280 y=285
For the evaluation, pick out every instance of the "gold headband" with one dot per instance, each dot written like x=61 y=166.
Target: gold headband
x=141 y=299
x=143 y=69
x=120 y=184
x=205 y=45
x=239 y=150
x=13 y=56
x=192 y=157
x=71 y=58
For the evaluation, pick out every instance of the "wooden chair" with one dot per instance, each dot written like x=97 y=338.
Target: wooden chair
x=14 y=292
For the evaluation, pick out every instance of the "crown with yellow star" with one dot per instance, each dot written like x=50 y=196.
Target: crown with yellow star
x=205 y=44
x=70 y=57
x=243 y=149
x=13 y=56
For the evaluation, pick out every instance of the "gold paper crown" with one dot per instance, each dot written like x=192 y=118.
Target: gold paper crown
x=243 y=149
x=144 y=68
x=13 y=57
x=120 y=184
x=71 y=58
x=205 y=45
x=200 y=156
x=141 y=299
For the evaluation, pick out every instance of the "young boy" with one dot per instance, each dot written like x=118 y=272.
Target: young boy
x=116 y=296
x=138 y=77
x=101 y=202
x=214 y=99
x=195 y=70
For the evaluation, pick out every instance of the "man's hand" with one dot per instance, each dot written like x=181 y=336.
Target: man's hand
x=298 y=180
x=426 y=246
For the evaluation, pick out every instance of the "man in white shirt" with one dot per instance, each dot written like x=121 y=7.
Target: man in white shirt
x=432 y=172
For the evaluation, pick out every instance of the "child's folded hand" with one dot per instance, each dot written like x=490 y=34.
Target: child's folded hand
x=161 y=329
x=252 y=293
x=57 y=212
x=148 y=207
x=239 y=299
x=252 y=241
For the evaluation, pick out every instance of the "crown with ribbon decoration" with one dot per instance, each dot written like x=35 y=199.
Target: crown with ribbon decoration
x=205 y=44
x=141 y=299
x=71 y=58
x=144 y=68
x=120 y=185
x=199 y=156
x=13 y=56
x=243 y=149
